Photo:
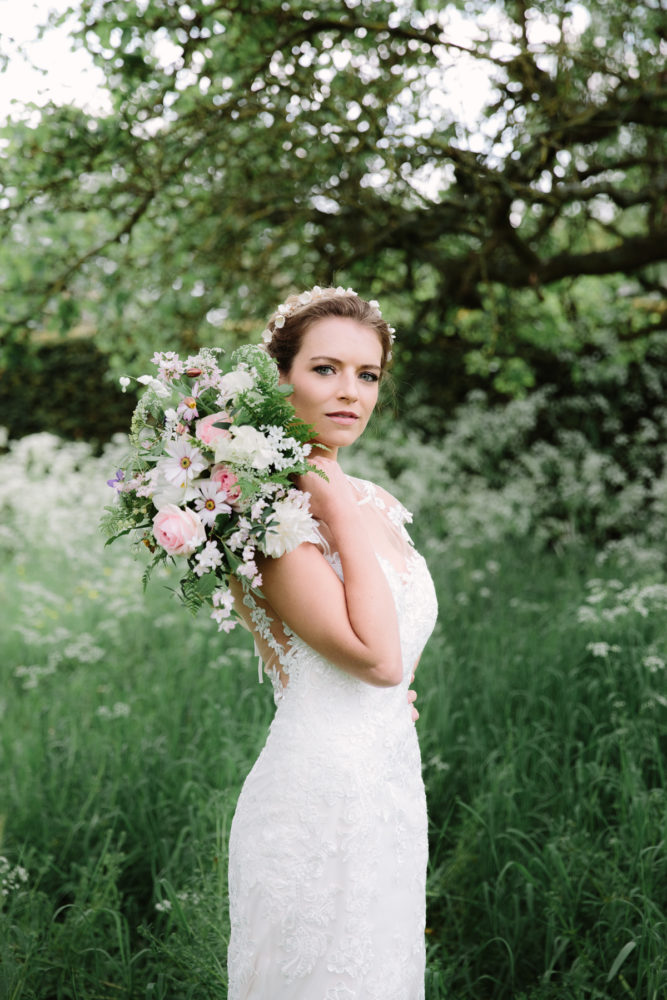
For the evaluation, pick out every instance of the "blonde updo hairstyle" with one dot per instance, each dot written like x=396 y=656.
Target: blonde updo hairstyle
x=297 y=316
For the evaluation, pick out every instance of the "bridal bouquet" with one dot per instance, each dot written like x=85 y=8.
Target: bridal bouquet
x=207 y=482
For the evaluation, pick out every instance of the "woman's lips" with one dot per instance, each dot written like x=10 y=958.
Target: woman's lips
x=343 y=417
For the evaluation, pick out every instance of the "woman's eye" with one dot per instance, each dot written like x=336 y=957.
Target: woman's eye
x=369 y=376
x=323 y=369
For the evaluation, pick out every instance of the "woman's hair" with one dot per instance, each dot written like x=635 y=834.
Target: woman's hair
x=287 y=326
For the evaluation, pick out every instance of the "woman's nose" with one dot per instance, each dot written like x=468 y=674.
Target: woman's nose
x=347 y=388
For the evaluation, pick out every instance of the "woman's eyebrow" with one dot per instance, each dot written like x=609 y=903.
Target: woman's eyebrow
x=337 y=361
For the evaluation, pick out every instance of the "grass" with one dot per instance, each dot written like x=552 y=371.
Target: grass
x=127 y=728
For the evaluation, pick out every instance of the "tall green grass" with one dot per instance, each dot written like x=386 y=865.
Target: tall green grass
x=544 y=741
x=544 y=762
x=127 y=727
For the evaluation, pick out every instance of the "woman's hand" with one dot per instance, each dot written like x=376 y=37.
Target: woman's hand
x=331 y=496
x=412 y=697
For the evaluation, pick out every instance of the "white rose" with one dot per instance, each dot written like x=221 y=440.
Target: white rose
x=245 y=446
x=289 y=526
x=236 y=381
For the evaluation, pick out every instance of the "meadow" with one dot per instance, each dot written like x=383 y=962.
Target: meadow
x=127 y=727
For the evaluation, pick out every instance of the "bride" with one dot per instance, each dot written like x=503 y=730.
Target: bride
x=328 y=847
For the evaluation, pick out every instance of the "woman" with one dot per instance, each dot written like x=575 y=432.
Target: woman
x=328 y=844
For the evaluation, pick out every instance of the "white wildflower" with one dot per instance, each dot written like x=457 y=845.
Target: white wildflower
x=208 y=558
x=11 y=877
x=249 y=570
x=119 y=710
x=169 y=364
x=223 y=604
x=602 y=649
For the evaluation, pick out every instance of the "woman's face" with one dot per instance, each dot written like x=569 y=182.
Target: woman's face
x=336 y=376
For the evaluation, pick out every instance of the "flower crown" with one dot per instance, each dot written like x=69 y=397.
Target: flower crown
x=285 y=310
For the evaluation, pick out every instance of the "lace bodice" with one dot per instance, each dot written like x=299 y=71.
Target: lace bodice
x=281 y=653
x=328 y=847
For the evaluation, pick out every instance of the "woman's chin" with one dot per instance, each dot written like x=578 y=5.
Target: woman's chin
x=337 y=439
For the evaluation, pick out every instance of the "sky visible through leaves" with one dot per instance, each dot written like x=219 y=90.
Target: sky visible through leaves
x=46 y=69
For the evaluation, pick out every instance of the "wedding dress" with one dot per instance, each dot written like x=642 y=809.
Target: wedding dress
x=328 y=846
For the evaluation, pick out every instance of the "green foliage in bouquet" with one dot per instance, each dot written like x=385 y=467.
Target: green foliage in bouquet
x=209 y=480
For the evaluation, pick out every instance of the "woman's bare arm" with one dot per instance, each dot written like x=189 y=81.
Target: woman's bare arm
x=352 y=624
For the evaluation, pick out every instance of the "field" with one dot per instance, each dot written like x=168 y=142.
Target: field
x=127 y=726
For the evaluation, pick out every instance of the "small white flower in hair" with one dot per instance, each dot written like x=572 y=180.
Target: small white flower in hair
x=285 y=310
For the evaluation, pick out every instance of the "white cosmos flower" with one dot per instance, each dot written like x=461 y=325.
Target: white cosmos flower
x=183 y=465
x=211 y=502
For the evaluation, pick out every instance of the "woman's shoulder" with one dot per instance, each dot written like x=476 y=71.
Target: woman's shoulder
x=382 y=499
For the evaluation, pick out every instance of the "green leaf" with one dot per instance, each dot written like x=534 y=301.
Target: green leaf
x=206 y=584
x=627 y=948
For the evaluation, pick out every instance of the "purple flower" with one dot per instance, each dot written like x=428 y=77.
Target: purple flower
x=113 y=483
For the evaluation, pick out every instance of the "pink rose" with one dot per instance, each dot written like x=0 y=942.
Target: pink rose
x=178 y=530
x=205 y=430
x=227 y=482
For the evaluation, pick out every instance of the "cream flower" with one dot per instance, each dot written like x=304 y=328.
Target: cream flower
x=235 y=382
x=245 y=446
x=289 y=526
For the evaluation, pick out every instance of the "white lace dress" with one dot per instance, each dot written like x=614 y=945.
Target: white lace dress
x=328 y=846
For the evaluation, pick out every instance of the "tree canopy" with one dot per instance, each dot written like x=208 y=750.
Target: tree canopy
x=257 y=147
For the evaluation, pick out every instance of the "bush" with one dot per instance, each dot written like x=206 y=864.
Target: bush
x=552 y=466
x=62 y=387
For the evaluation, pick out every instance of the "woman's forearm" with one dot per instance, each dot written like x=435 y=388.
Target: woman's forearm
x=370 y=605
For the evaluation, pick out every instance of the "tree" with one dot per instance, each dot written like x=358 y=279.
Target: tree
x=256 y=147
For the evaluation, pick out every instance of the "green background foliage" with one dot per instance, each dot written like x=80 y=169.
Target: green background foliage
x=250 y=149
